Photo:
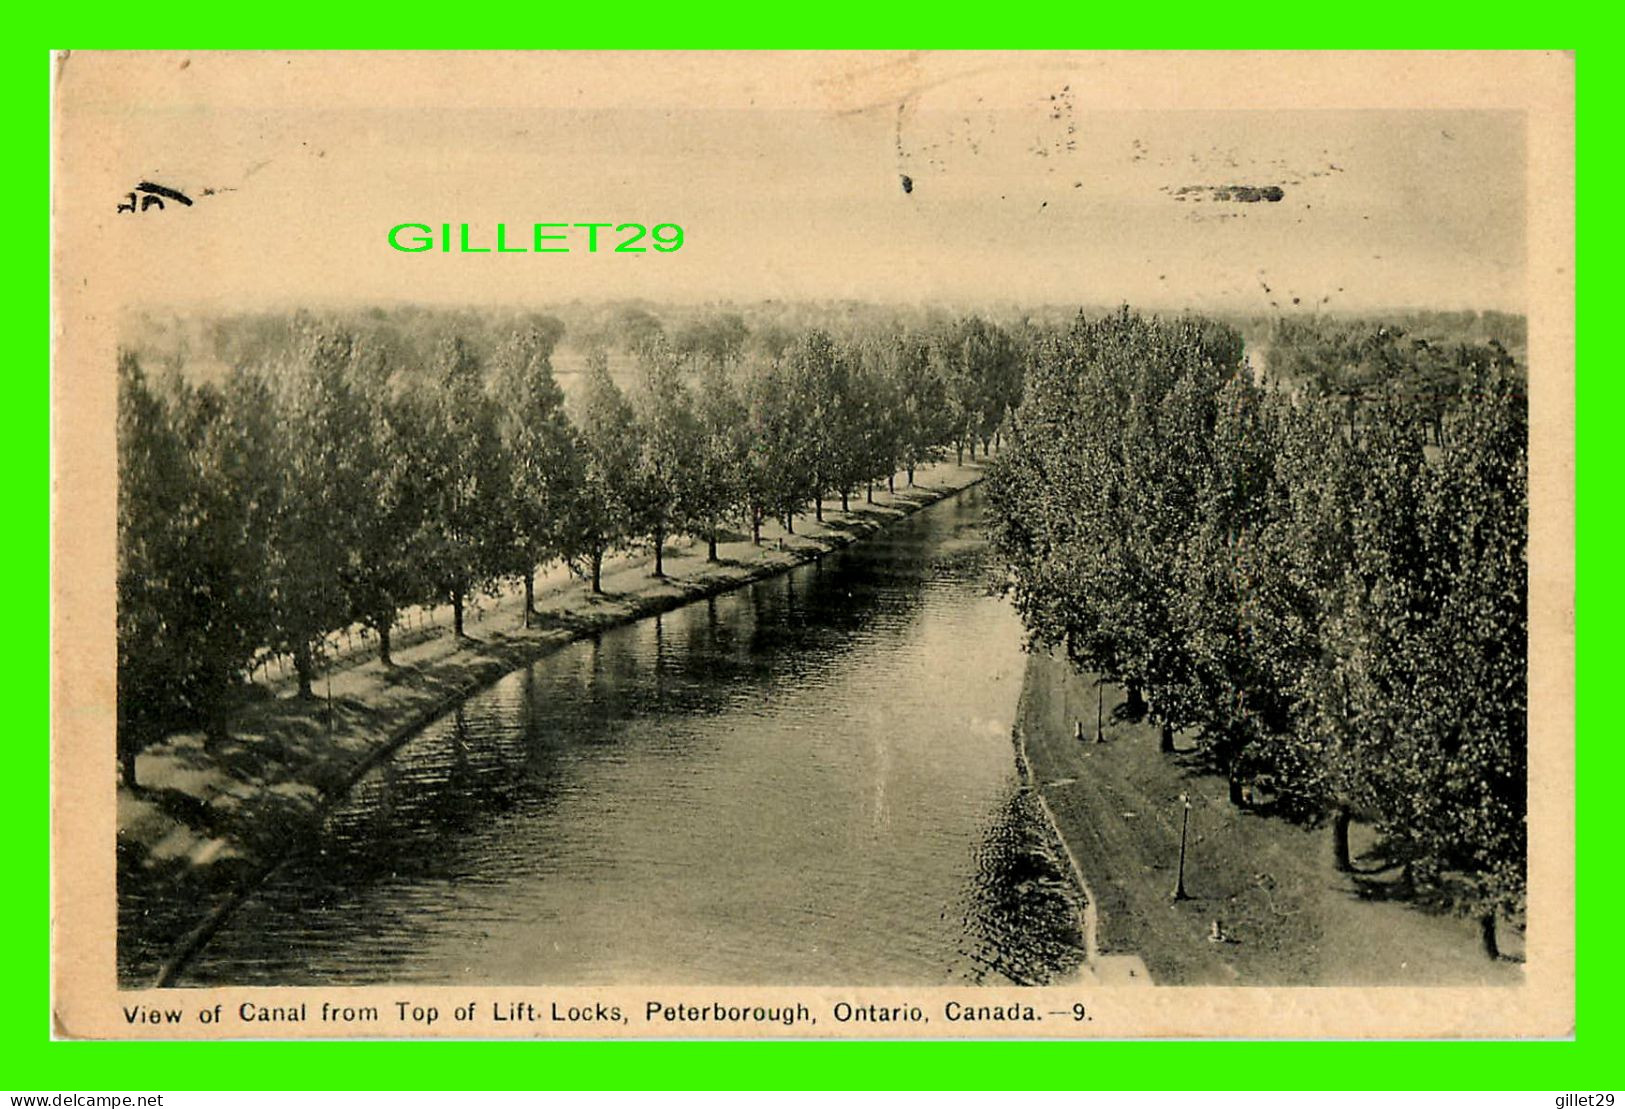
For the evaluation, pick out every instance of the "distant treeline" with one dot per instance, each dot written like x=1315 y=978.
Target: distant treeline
x=336 y=473
x=1324 y=580
x=1359 y=360
x=203 y=345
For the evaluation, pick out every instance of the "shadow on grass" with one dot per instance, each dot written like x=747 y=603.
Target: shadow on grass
x=874 y=512
x=1122 y=714
x=1434 y=900
x=853 y=528
x=592 y=619
x=917 y=498
x=1382 y=873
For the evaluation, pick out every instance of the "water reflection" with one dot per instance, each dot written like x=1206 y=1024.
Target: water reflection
x=806 y=781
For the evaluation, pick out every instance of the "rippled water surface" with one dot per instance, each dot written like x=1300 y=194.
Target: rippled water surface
x=809 y=781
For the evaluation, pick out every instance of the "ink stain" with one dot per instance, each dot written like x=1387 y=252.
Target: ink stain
x=160 y=191
x=908 y=183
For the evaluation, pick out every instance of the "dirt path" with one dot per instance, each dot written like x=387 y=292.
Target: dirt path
x=1287 y=915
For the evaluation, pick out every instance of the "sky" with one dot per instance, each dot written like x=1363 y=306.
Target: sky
x=1044 y=178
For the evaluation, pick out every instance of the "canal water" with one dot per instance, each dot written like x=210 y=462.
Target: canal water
x=809 y=781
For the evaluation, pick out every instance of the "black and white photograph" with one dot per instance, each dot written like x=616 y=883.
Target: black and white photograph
x=874 y=545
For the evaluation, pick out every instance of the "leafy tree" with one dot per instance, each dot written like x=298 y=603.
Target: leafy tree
x=545 y=473
x=924 y=416
x=720 y=486
x=668 y=444
x=779 y=465
x=817 y=373
x=237 y=460
x=1099 y=490
x=395 y=536
x=1472 y=690
x=1369 y=610
x=824 y=374
x=467 y=548
x=634 y=329
x=770 y=341
x=981 y=371
x=1431 y=642
x=1250 y=625
x=717 y=340
x=155 y=488
x=326 y=467
x=1318 y=491
x=878 y=425
x=195 y=499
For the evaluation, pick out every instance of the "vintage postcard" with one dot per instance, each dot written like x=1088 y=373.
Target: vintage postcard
x=813 y=545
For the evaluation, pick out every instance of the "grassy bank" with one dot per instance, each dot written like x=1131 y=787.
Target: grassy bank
x=212 y=819
x=1285 y=914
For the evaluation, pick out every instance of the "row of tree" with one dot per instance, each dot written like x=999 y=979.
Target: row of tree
x=1329 y=592
x=337 y=479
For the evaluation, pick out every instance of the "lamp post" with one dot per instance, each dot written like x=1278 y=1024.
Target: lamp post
x=1184 y=827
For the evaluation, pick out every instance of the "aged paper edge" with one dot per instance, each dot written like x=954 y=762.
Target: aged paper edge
x=87 y=283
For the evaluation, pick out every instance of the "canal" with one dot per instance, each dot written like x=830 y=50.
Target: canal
x=807 y=781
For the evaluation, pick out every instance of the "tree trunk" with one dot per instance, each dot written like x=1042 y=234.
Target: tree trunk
x=790 y=523
x=1340 y=841
x=960 y=448
x=383 y=641
x=1136 y=702
x=869 y=493
x=891 y=481
x=756 y=527
x=843 y=501
x=711 y=546
x=973 y=449
x=530 y=596
x=660 y=544
x=598 y=570
x=1486 y=932
x=1238 y=796
x=126 y=758
x=457 y=613
x=1167 y=746
x=911 y=477
x=305 y=668
x=818 y=508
